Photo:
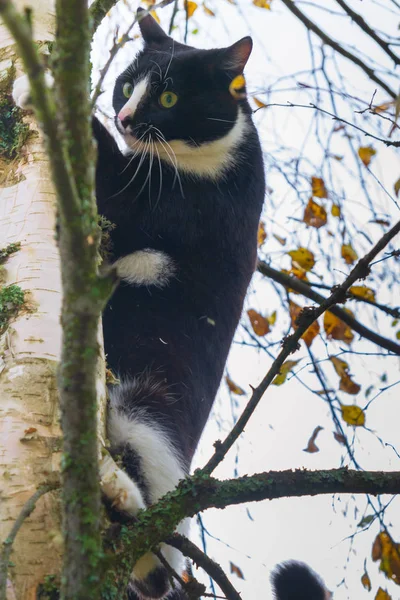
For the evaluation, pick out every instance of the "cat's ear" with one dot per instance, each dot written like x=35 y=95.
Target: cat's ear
x=234 y=58
x=150 y=29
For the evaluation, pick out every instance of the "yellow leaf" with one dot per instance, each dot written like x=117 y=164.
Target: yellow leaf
x=382 y=594
x=366 y=153
x=261 y=234
x=155 y=16
x=233 y=387
x=341 y=366
x=362 y=291
x=190 y=7
x=237 y=87
x=314 y=214
x=311 y=445
x=387 y=551
x=236 y=570
x=283 y=372
x=366 y=582
x=336 y=329
x=272 y=318
x=397 y=187
x=259 y=323
x=398 y=334
x=208 y=11
x=353 y=415
x=263 y=4
x=311 y=332
x=349 y=254
x=258 y=103
x=318 y=187
x=303 y=257
x=335 y=210
x=280 y=239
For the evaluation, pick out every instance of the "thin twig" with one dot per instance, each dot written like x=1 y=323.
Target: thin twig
x=210 y=566
x=336 y=46
x=291 y=344
x=26 y=511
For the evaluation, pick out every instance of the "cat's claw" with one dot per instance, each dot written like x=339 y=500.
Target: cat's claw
x=21 y=91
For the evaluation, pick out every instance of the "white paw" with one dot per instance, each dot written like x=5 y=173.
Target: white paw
x=119 y=488
x=146 y=267
x=21 y=91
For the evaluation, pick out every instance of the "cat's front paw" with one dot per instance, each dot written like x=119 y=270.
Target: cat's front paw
x=119 y=488
x=21 y=91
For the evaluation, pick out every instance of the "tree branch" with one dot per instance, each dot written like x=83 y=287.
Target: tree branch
x=307 y=316
x=211 y=567
x=336 y=46
x=98 y=11
x=305 y=289
x=200 y=492
x=357 y=18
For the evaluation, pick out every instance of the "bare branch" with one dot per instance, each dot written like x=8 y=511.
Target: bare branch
x=311 y=26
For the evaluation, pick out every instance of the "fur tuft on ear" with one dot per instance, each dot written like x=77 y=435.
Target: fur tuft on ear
x=150 y=29
x=235 y=57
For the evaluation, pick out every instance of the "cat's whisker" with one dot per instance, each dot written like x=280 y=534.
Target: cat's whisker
x=144 y=151
x=222 y=120
x=174 y=162
x=136 y=152
x=161 y=177
x=170 y=60
x=159 y=69
x=148 y=143
x=151 y=166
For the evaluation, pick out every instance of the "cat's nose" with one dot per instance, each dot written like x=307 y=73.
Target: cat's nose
x=125 y=117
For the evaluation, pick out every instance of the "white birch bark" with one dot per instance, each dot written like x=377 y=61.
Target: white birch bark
x=30 y=348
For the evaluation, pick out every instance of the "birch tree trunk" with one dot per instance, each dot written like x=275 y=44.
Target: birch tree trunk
x=30 y=346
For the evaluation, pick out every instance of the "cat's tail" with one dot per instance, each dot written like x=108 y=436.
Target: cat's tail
x=296 y=581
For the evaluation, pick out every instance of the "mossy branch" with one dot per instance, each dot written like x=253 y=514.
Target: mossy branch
x=201 y=492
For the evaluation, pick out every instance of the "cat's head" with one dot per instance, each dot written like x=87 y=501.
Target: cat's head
x=187 y=106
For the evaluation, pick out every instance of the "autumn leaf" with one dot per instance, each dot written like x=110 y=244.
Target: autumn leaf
x=336 y=329
x=311 y=332
x=263 y=4
x=283 y=372
x=233 y=387
x=366 y=582
x=208 y=11
x=190 y=7
x=236 y=570
x=272 y=318
x=362 y=291
x=346 y=383
x=155 y=16
x=384 y=106
x=367 y=520
x=311 y=445
x=237 y=87
x=366 y=153
x=339 y=438
x=261 y=234
x=349 y=254
x=387 y=551
x=280 y=239
x=341 y=366
x=314 y=214
x=259 y=323
x=318 y=187
x=303 y=258
x=397 y=187
x=382 y=595
x=335 y=210
x=258 y=103
x=353 y=415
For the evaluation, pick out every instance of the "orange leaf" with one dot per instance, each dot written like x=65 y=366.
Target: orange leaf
x=303 y=258
x=208 y=11
x=190 y=8
x=311 y=445
x=346 y=383
x=314 y=214
x=382 y=594
x=233 y=387
x=236 y=570
x=362 y=291
x=349 y=254
x=318 y=187
x=353 y=415
x=280 y=239
x=336 y=329
x=397 y=187
x=365 y=580
x=259 y=103
x=366 y=153
x=261 y=234
x=259 y=323
x=311 y=332
x=263 y=4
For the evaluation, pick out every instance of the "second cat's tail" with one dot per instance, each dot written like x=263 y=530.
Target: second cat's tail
x=296 y=581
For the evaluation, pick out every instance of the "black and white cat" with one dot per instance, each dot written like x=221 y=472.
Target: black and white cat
x=186 y=201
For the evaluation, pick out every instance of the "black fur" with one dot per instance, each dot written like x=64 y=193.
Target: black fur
x=296 y=581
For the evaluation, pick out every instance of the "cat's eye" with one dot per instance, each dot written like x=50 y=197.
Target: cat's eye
x=168 y=99
x=127 y=89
